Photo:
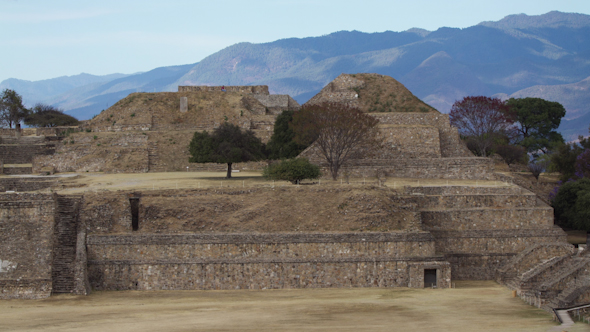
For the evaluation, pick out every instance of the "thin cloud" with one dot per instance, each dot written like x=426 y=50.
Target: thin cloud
x=61 y=15
x=180 y=41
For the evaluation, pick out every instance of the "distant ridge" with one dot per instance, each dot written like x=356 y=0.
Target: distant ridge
x=554 y=19
x=439 y=67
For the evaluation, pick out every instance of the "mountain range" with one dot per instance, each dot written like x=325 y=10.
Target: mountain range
x=546 y=56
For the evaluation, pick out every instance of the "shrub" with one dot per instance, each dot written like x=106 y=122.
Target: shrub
x=293 y=170
x=536 y=169
x=511 y=153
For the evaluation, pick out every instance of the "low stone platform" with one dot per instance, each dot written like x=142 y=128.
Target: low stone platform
x=261 y=261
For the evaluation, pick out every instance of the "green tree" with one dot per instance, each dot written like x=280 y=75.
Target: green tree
x=563 y=157
x=227 y=144
x=12 y=111
x=48 y=116
x=338 y=132
x=572 y=205
x=281 y=144
x=537 y=121
x=293 y=170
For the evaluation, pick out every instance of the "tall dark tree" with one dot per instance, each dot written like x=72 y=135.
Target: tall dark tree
x=12 y=110
x=227 y=144
x=483 y=121
x=338 y=132
x=48 y=116
x=537 y=121
x=572 y=205
x=563 y=157
x=282 y=144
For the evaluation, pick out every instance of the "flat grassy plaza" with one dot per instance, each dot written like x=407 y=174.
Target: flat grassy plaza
x=471 y=306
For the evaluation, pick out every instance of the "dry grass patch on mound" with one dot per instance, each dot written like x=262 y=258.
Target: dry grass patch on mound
x=384 y=94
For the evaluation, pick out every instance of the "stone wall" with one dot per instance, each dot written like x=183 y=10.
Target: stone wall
x=478 y=254
x=23 y=154
x=419 y=168
x=26 y=242
x=479 y=229
x=259 y=261
x=53 y=131
x=277 y=103
x=340 y=90
x=117 y=128
x=26 y=183
x=402 y=142
x=16 y=170
x=486 y=218
x=252 y=89
x=113 y=152
x=450 y=143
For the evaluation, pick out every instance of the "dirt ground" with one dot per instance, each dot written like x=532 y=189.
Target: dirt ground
x=195 y=180
x=471 y=306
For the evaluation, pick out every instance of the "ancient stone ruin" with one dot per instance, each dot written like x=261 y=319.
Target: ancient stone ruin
x=378 y=236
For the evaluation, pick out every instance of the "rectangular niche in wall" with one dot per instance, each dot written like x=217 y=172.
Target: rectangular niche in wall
x=134 y=203
x=429 y=277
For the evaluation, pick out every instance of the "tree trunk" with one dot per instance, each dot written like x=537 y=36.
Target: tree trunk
x=228 y=170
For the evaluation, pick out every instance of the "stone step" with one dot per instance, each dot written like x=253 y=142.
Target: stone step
x=63 y=269
x=467 y=190
x=487 y=218
x=462 y=201
x=554 y=281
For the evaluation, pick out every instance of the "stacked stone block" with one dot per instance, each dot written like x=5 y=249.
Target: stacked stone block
x=259 y=261
x=26 y=245
x=479 y=229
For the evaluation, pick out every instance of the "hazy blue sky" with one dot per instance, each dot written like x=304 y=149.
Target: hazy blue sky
x=43 y=39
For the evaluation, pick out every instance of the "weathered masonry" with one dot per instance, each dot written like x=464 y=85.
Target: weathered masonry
x=42 y=247
x=262 y=261
x=458 y=233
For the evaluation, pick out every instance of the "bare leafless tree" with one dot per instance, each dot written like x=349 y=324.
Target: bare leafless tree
x=339 y=132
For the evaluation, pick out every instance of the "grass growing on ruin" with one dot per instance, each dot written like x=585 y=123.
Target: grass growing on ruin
x=472 y=306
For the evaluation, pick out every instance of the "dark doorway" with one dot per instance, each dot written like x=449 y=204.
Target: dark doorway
x=429 y=277
x=134 y=202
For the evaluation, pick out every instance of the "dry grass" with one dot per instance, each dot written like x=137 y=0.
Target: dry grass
x=204 y=108
x=472 y=306
x=207 y=202
x=385 y=94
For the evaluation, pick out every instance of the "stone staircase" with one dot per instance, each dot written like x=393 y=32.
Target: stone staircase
x=153 y=159
x=532 y=277
x=569 y=295
x=63 y=273
x=480 y=229
x=566 y=274
x=554 y=276
x=16 y=154
x=20 y=184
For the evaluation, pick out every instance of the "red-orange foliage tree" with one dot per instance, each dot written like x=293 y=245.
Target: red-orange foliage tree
x=338 y=132
x=483 y=120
